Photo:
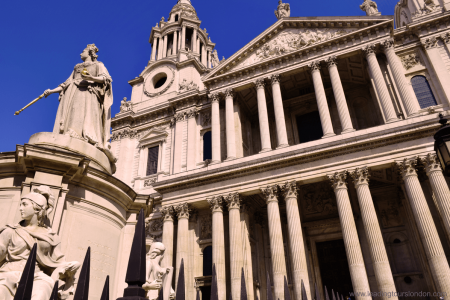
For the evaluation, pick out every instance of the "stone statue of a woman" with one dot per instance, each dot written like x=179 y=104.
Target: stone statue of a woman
x=16 y=242
x=85 y=99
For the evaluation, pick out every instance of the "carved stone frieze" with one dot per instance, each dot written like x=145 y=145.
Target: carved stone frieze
x=338 y=180
x=168 y=213
x=318 y=199
x=206 y=119
x=126 y=133
x=183 y=210
x=206 y=227
x=233 y=200
x=410 y=60
x=389 y=211
x=150 y=181
x=186 y=86
x=216 y=203
x=360 y=176
x=270 y=193
x=289 y=189
x=407 y=167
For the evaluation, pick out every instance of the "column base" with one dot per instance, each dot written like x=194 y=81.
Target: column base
x=392 y=120
x=328 y=135
x=348 y=130
x=416 y=114
x=265 y=150
x=230 y=158
x=282 y=146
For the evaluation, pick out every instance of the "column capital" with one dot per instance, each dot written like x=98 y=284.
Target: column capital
x=275 y=78
x=407 y=167
x=183 y=210
x=270 y=193
x=368 y=50
x=192 y=113
x=289 y=189
x=331 y=61
x=431 y=163
x=314 y=66
x=445 y=37
x=388 y=44
x=214 y=97
x=430 y=43
x=259 y=83
x=233 y=200
x=229 y=93
x=360 y=176
x=167 y=212
x=338 y=180
x=216 y=204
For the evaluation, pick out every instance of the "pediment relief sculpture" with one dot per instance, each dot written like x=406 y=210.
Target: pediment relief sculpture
x=319 y=199
x=186 y=86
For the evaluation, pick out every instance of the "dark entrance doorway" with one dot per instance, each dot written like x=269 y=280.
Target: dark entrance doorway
x=333 y=266
x=309 y=127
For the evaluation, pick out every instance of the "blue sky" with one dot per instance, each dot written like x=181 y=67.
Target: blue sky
x=42 y=40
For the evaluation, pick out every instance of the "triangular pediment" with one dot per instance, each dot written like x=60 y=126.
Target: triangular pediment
x=154 y=135
x=289 y=35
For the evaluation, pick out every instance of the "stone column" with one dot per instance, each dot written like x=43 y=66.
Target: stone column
x=203 y=55
x=155 y=44
x=380 y=261
x=209 y=60
x=297 y=246
x=263 y=117
x=321 y=98
x=427 y=230
x=194 y=41
x=183 y=37
x=165 y=38
x=191 y=139
x=183 y=211
x=167 y=235
x=380 y=84
x=215 y=128
x=175 y=43
x=439 y=186
x=276 y=240
x=431 y=48
x=160 y=46
x=236 y=254
x=338 y=90
x=406 y=93
x=229 y=118
x=355 y=259
x=279 y=112
x=247 y=251
x=218 y=245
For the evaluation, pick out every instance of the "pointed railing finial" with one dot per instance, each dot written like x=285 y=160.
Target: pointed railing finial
x=287 y=294
x=243 y=287
x=304 y=296
x=269 y=288
x=82 y=291
x=326 y=294
x=25 y=287
x=105 y=293
x=198 y=295
x=332 y=295
x=317 y=292
x=181 y=289
x=214 y=293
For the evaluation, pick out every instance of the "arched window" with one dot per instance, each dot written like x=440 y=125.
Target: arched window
x=207 y=146
x=207 y=261
x=423 y=91
x=176 y=18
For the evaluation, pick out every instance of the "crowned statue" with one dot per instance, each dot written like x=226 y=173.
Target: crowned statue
x=283 y=10
x=159 y=279
x=16 y=242
x=370 y=7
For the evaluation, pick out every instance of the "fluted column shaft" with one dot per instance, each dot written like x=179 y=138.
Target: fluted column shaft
x=355 y=259
x=218 y=245
x=215 y=128
x=160 y=48
x=155 y=44
x=183 y=37
x=192 y=139
x=263 y=117
x=165 y=38
x=167 y=236
x=427 y=229
x=182 y=237
x=276 y=240
x=297 y=247
x=406 y=93
x=209 y=60
x=247 y=252
x=380 y=261
x=236 y=254
x=380 y=84
x=279 y=112
x=175 y=43
x=321 y=98
x=341 y=101
x=194 y=41
x=229 y=118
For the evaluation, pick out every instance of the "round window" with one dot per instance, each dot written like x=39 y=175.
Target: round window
x=159 y=80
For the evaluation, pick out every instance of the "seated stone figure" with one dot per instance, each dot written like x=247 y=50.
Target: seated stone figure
x=16 y=242
x=158 y=278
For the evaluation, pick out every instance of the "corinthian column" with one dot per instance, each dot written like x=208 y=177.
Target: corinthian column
x=167 y=236
x=355 y=259
x=247 y=251
x=182 y=236
x=279 y=112
x=229 y=118
x=175 y=42
x=218 y=245
x=297 y=249
x=338 y=90
x=215 y=128
x=439 y=186
x=380 y=84
x=165 y=38
x=406 y=93
x=425 y=224
x=154 y=45
x=191 y=117
x=383 y=273
x=276 y=240
x=183 y=37
x=262 y=114
x=321 y=99
x=236 y=254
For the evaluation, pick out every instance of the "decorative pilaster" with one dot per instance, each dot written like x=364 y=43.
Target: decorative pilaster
x=179 y=122
x=321 y=98
x=183 y=37
x=380 y=85
x=297 y=247
x=338 y=90
x=355 y=259
x=263 y=117
x=167 y=235
x=276 y=240
x=215 y=128
x=427 y=229
x=229 y=118
x=382 y=269
x=406 y=93
x=183 y=212
x=236 y=254
x=154 y=45
x=191 y=117
x=279 y=112
x=218 y=244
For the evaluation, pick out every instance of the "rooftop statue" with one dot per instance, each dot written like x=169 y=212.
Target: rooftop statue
x=283 y=10
x=215 y=59
x=16 y=242
x=370 y=7
x=158 y=278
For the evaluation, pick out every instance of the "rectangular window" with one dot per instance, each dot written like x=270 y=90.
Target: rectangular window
x=152 y=162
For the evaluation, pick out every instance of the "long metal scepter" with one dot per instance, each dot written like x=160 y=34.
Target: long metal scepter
x=29 y=104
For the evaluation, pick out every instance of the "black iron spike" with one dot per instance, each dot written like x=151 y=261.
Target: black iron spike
x=269 y=288
x=214 y=293
x=25 y=287
x=82 y=291
x=54 y=295
x=332 y=294
x=256 y=297
x=304 y=296
x=181 y=290
x=105 y=293
x=326 y=294
x=198 y=295
x=317 y=292
x=287 y=294
x=243 y=287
